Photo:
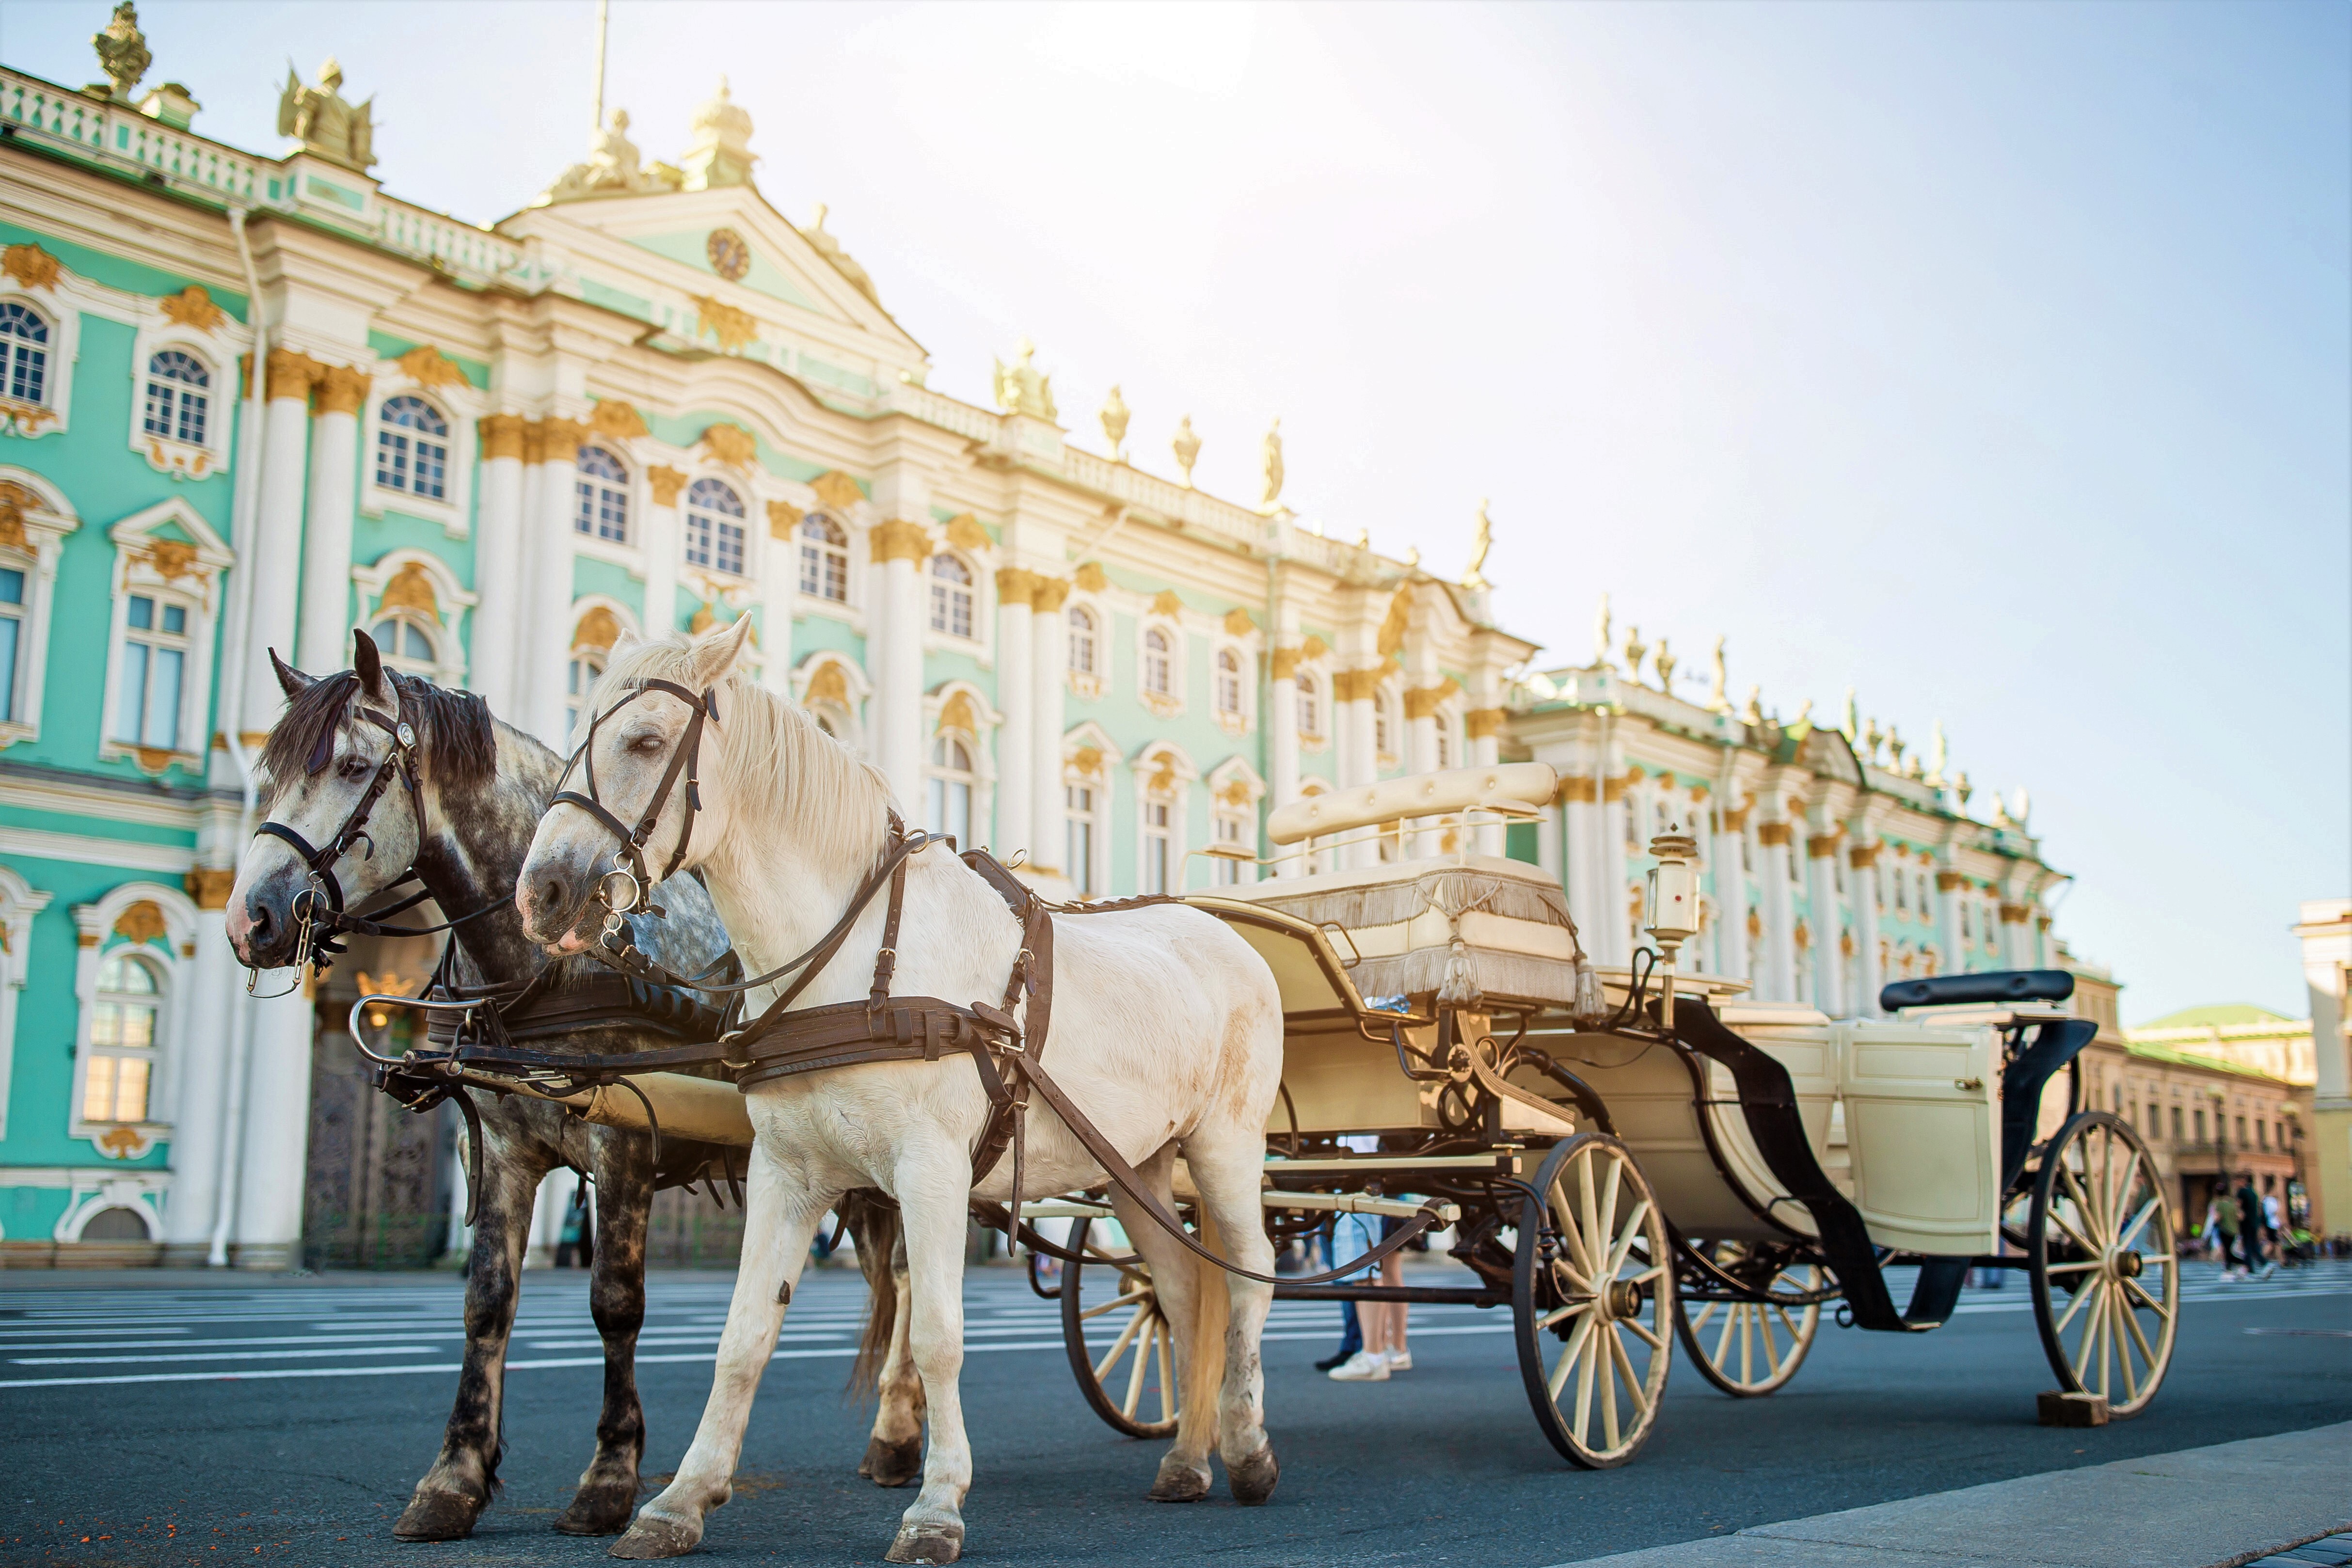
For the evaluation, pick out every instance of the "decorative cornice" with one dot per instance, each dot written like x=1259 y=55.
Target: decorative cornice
x=292 y=373
x=615 y=420
x=1480 y=722
x=500 y=435
x=192 y=307
x=1049 y=594
x=836 y=490
x=965 y=533
x=342 y=390
x=1772 y=835
x=1015 y=586
x=665 y=482
x=1091 y=576
x=1239 y=624
x=731 y=445
x=1422 y=701
x=429 y=367
x=782 y=518
x=1165 y=602
x=899 y=541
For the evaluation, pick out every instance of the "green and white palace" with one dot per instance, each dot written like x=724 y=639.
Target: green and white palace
x=648 y=401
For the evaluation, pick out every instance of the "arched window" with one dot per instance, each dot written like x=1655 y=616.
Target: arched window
x=13 y=610
x=178 y=397
x=24 y=352
x=411 y=449
x=1159 y=856
x=154 y=663
x=714 y=527
x=951 y=596
x=1231 y=828
x=1159 y=665
x=1082 y=640
x=586 y=668
x=122 y=1039
x=407 y=645
x=951 y=790
x=603 y=491
x=1310 y=706
x=1229 y=684
x=825 y=559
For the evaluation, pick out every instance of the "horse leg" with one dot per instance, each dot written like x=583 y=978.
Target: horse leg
x=886 y=1364
x=933 y=1192
x=458 y=1488
x=623 y=1165
x=1184 y=1474
x=780 y=1217
x=1227 y=1165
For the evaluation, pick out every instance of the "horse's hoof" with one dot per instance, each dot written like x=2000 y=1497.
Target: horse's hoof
x=893 y=1464
x=1179 y=1483
x=1253 y=1479
x=599 y=1510
x=926 y=1543
x=438 y=1516
x=652 y=1536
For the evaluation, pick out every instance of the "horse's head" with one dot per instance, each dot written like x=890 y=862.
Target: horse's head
x=643 y=797
x=344 y=767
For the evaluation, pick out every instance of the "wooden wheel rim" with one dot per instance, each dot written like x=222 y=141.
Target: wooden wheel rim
x=1579 y=1357
x=1116 y=1379
x=2102 y=1258
x=1723 y=1338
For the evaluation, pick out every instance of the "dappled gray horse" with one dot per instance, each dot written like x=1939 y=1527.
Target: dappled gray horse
x=458 y=803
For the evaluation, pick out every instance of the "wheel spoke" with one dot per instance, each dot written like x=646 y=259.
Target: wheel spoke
x=2158 y=1308
x=2081 y=1363
x=1135 y=1375
x=2148 y=1208
x=1748 y=1342
x=1706 y=1315
x=1654 y=1341
x=2080 y=1240
x=1604 y=1230
x=1119 y=1347
x=2131 y=1322
x=1590 y=1233
x=1633 y=1233
x=1625 y=1369
x=1572 y=1363
x=1609 y=1385
x=1797 y=1339
x=1722 y=1356
x=2071 y=1267
x=1114 y=1301
x=2123 y=1315
x=1572 y=1232
x=2081 y=1299
x=2083 y=1206
x=1558 y=1314
x=1568 y=1356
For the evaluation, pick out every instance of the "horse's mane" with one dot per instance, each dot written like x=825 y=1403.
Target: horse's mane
x=461 y=748
x=770 y=752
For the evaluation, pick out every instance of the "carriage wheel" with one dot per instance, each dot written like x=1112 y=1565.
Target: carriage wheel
x=1135 y=1370
x=1749 y=1348
x=2101 y=1257
x=1591 y=1293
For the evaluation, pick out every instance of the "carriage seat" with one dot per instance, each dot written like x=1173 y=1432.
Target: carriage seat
x=1991 y=985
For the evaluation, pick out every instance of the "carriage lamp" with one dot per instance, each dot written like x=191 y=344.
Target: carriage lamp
x=1674 y=908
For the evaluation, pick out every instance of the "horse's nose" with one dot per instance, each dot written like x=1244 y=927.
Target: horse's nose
x=552 y=898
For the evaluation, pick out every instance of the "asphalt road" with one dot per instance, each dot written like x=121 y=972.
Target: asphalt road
x=173 y=1419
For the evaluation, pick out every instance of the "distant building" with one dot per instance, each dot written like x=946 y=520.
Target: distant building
x=2237 y=1032
x=2324 y=930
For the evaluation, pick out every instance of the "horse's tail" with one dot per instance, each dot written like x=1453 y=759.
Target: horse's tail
x=876 y=1227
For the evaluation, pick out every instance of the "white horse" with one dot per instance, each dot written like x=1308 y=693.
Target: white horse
x=1166 y=1032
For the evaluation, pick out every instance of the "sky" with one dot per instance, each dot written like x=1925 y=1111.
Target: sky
x=1992 y=361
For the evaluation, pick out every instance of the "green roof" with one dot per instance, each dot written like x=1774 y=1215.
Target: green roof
x=2191 y=1059
x=2217 y=1015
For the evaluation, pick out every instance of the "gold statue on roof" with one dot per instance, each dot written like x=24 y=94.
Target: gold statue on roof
x=1021 y=388
x=1480 y=543
x=122 y=51
x=324 y=121
x=1187 y=446
x=1114 y=417
x=1270 y=454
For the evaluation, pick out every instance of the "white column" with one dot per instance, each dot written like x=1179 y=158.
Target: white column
x=2046 y=951
x=1049 y=664
x=324 y=640
x=900 y=547
x=547 y=654
x=779 y=581
x=497 y=565
x=1353 y=733
x=1955 y=955
x=661 y=551
x=1610 y=911
x=1016 y=743
x=1829 y=922
x=199 y=1064
x=1281 y=719
x=1579 y=851
x=1549 y=859
x=1423 y=841
x=530 y=553
x=274 y=555
x=275 y=1148
x=2016 y=937
x=1868 y=976
x=1730 y=894
x=1776 y=978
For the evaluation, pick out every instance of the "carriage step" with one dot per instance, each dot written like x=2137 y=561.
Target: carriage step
x=2058 y=1407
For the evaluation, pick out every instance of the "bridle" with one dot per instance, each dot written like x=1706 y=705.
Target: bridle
x=629 y=871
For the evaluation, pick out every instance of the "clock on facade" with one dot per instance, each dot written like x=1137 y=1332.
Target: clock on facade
x=731 y=259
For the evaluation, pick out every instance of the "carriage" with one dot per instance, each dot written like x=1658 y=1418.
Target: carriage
x=1629 y=1157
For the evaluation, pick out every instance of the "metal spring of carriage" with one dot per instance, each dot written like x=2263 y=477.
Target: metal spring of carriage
x=1657 y=1159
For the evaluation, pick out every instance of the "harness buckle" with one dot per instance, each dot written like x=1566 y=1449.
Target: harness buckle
x=615 y=905
x=405 y=736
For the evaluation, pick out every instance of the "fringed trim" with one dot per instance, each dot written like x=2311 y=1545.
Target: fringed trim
x=1453 y=892
x=1463 y=976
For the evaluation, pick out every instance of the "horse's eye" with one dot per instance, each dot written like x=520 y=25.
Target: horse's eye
x=352 y=766
x=647 y=744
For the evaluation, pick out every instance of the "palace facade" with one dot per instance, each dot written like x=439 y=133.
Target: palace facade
x=647 y=401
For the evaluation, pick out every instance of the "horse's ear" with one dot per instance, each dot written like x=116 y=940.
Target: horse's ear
x=291 y=681
x=368 y=661
x=715 y=651
x=623 y=641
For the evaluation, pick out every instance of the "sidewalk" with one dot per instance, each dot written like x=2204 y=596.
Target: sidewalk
x=2160 y=1511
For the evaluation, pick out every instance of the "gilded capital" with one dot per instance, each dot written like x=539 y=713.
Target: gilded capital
x=1772 y=835
x=534 y=441
x=1015 y=585
x=1949 y=881
x=1821 y=846
x=1046 y=597
x=1356 y=685
x=1736 y=821
x=1423 y=702
x=899 y=541
x=563 y=438
x=342 y=390
x=666 y=484
x=1285 y=663
x=1862 y=857
x=210 y=888
x=1614 y=790
x=2014 y=914
x=1578 y=789
x=1480 y=722
x=782 y=518
x=501 y=434
x=292 y=373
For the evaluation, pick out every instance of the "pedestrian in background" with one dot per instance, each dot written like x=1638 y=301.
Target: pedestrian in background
x=2225 y=1220
x=2251 y=1227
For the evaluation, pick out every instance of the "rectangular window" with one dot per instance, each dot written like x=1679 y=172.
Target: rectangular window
x=1155 y=846
x=154 y=655
x=950 y=803
x=2175 y=1124
x=12 y=633
x=1078 y=837
x=1228 y=871
x=2242 y=1131
x=2197 y=1119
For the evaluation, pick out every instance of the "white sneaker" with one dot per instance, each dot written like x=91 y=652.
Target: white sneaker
x=1398 y=1360
x=1364 y=1366
x=2268 y=1270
